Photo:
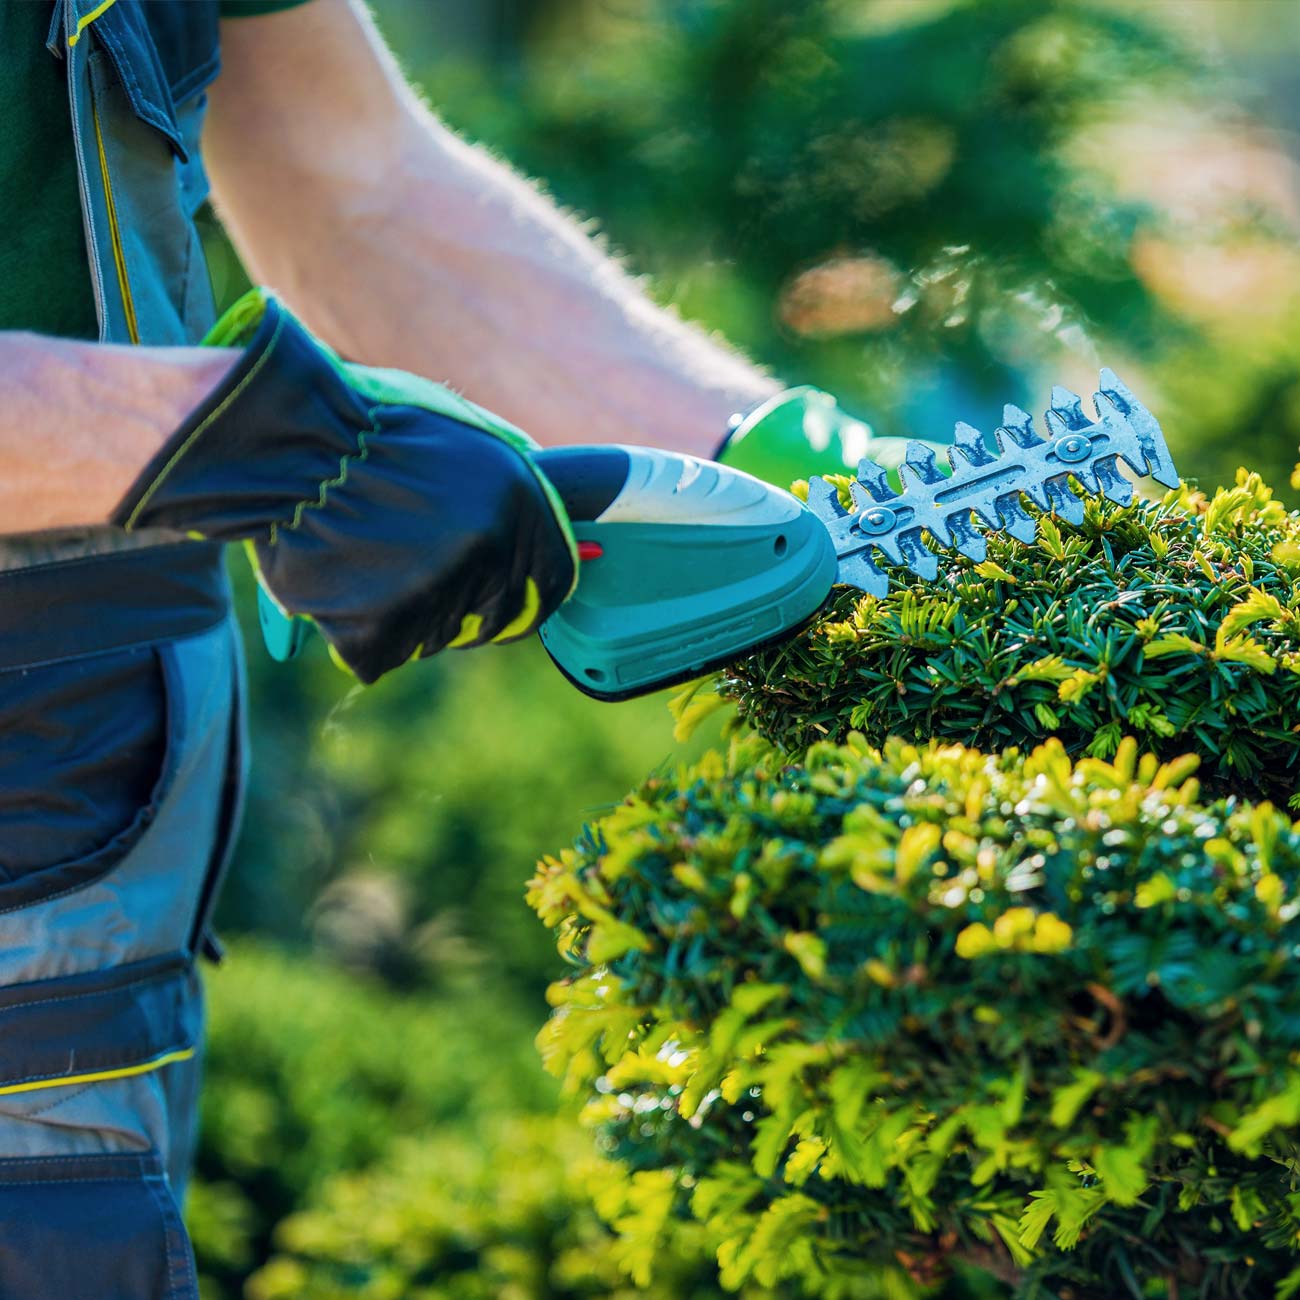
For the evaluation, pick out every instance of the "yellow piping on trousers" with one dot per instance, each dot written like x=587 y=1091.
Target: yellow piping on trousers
x=115 y=232
x=98 y=1076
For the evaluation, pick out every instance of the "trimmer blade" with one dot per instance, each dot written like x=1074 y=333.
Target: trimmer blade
x=984 y=488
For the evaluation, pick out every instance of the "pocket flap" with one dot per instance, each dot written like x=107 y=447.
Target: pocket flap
x=101 y=1025
x=123 y=32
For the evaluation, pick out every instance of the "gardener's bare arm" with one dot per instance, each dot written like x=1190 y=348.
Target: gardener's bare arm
x=80 y=421
x=404 y=246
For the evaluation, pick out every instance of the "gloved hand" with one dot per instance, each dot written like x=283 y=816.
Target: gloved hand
x=394 y=514
x=802 y=432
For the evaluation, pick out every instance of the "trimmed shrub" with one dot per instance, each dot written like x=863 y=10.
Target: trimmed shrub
x=870 y=1014
x=1178 y=623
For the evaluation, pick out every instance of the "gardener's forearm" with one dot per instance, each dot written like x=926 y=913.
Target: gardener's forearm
x=404 y=246
x=79 y=421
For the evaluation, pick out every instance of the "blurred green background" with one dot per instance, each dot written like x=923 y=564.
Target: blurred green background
x=927 y=207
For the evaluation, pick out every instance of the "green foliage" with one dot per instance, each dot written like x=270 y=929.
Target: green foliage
x=505 y=1211
x=919 y=205
x=312 y=1070
x=871 y=1013
x=1178 y=623
x=733 y=146
x=368 y=827
x=887 y=199
x=357 y=1143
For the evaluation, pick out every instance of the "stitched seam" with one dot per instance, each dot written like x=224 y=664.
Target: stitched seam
x=143 y=982
x=83 y=23
x=166 y=1208
x=345 y=461
x=195 y=79
x=222 y=406
x=108 y=648
x=141 y=104
x=85 y=561
x=80 y=1159
x=55 y=1102
x=52 y=1182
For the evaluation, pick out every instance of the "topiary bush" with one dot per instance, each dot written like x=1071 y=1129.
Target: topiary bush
x=891 y=1008
x=1177 y=622
x=880 y=1008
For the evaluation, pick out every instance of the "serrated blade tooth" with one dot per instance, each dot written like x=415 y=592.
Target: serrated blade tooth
x=1069 y=407
x=862 y=498
x=858 y=570
x=1064 y=502
x=913 y=483
x=1151 y=439
x=1015 y=521
x=970 y=543
x=1114 y=486
x=1037 y=493
x=1016 y=417
x=940 y=529
x=1106 y=409
x=890 y=547
x=968 y=443
x=1087 y=478
x=1017 y=425
x=920 y=558
x=920 y=457
x=1057 y=426
x=875 y=479
x=987 y=513
x=824 y=500
x=1117 y=423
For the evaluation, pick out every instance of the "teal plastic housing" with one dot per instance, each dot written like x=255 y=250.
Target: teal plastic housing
x=284 y=637
x=668 y=602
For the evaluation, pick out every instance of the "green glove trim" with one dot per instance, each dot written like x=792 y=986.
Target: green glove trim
x=400 y=388
x=384 y=385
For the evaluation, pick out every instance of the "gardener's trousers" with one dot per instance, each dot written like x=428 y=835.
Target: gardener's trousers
x=121 y=767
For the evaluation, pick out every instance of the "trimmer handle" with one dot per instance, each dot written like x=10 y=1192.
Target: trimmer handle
x=685 y=564
x=586 y=478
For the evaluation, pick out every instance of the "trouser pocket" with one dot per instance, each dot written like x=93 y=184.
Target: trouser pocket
x=92 y=1227
x=84 y=759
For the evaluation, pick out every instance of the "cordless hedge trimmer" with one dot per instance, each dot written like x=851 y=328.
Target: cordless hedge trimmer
x=688 y=564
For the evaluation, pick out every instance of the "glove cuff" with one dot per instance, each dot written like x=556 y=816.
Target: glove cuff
x=279 y=428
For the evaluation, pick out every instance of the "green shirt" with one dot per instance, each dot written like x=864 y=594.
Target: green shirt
x=44 y=270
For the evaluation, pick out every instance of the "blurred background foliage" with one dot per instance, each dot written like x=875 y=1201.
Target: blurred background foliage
x=928 y=207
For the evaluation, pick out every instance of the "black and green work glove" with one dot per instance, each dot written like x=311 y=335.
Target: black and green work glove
x=801 y=432
x=398 y=517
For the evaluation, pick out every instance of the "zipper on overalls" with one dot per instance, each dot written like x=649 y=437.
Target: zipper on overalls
x=75 y=30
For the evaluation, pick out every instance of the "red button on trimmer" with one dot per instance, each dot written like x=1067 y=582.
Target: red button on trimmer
x=590 y=550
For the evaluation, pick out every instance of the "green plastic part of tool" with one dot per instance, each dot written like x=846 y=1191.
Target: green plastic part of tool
x=801 y=432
